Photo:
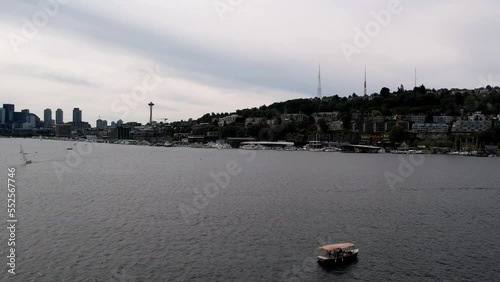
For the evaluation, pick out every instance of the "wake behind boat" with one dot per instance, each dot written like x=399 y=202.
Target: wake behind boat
x=23 y=154
x=337 y=254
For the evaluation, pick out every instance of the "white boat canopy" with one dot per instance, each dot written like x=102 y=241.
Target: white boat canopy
x=328 y=248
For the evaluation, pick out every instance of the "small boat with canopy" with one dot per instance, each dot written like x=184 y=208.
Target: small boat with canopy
x=337 y=254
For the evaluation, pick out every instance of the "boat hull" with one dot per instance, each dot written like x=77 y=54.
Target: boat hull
x=337 y=261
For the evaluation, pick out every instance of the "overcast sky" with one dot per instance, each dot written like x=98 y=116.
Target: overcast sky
x=111 y=58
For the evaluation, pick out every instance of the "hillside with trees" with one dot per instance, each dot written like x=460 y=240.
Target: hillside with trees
x=385 y=105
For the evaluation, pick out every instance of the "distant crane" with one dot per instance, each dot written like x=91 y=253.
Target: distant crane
x=164 y=119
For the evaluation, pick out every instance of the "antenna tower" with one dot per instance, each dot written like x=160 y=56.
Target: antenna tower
x=365 y=80
x=415 y=77
x=319 y=83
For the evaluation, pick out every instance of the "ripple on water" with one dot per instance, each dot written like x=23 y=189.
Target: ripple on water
x=116 y=216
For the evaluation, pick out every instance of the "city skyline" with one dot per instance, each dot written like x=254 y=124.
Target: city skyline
x=238 y=57
x=57 y=116
x=47 y=115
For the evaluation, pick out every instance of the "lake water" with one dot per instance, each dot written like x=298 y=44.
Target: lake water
x=130 y=213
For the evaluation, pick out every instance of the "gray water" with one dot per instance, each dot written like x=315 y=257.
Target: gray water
x=130 y=213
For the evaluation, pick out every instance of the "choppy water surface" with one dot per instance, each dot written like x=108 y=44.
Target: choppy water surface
x=130 y=213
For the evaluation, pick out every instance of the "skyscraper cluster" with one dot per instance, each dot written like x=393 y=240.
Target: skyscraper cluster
x=10 y=119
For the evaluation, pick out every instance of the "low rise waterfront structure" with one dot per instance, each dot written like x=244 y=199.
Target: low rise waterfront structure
x=63 y=130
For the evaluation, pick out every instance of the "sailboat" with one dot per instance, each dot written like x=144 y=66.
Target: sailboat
x=23 y=154
x=316 y=145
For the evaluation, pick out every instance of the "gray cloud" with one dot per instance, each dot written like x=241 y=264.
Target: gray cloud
x=266 y=49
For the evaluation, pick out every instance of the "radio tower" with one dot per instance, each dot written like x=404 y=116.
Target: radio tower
x=319 y=83
x=415 y=77
x=365 y=80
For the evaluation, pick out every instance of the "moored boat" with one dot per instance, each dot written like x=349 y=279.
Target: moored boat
x=338 y=254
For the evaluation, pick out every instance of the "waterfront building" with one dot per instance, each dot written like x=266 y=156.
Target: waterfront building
x=77 y=115
x=336 y=125
x=196 y=139
x=368 y=126
x=255 y=120
x=477 y=116
x=471 y=126
x=212 y=135
x=229 y=119
x=120 y=132
x=327 y=116
x=294 y=117
x=63 y=130
x=235 y=142
x=356 y=126
x=373 y=125
x=430 y=130
x=47 y=118
x=376 y=125
x=416 y=118
x=355 y=116
x=59 y=116
x=492 y=149
x=82 y=125
x=442 y=119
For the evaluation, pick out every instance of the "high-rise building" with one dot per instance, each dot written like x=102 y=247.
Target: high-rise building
x=101 y=124
x=47 y=118
x=77 y=115
x=38 y=122
x=24 y=115
x=9 y=113
x=30 y=122
x=59 y=116
x=2 y=116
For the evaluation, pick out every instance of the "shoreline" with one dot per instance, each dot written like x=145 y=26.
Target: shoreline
x=221 y=146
